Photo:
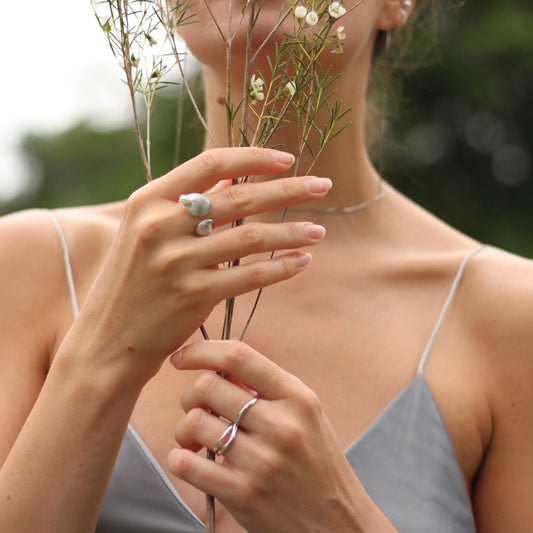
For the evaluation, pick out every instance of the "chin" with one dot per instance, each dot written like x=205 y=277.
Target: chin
x=206 y=44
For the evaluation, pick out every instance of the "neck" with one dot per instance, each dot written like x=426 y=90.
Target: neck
x=344 y=159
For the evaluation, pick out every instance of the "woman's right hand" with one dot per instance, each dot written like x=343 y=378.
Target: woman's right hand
x=161 y=281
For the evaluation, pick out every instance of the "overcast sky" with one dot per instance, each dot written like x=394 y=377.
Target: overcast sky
x=57 y=68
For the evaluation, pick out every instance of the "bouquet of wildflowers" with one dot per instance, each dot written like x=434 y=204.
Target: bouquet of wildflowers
x=296 y=88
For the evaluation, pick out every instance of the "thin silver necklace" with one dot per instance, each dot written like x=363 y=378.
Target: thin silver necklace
x=349 y=208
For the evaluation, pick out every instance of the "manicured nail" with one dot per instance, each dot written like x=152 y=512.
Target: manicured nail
x=318 y=185
x=284 y=157
x=176 y=357
x=302 y=259
x=314 y=231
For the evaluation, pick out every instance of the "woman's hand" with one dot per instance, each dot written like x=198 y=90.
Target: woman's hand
x=161 y=281
x=285 y=471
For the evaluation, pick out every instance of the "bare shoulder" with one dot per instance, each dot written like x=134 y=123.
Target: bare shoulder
x=32 y=268
x=27 y=266
x=499 y=308
x=35 y=305
x=499 y=296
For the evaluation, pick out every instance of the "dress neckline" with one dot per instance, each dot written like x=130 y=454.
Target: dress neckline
x=418 y=380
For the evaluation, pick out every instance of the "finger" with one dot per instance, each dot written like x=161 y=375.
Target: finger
x=219 y=480
x=230 y=282
x=199 y=429
x=222 y=184
x=240 y=360
x=205 y=170
x=240 y=201
x=211 y=391
x=255 y=238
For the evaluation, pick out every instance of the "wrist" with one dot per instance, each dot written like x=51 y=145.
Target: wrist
x=98 y=373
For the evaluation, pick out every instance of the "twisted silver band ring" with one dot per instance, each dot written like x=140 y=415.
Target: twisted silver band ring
x=230 y=433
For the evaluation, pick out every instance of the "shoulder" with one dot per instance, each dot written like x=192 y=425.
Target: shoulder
x=27 y=239
x=497 y=303
x=30 y=281
x=32 y=269
x=498 y=299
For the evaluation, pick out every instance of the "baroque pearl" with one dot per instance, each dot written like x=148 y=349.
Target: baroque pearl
x=197 y=204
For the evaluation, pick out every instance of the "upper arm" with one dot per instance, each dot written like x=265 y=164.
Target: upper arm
x=29 y=279
x=503 y=492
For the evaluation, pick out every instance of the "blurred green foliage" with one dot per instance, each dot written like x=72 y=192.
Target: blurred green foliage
x=459 y=142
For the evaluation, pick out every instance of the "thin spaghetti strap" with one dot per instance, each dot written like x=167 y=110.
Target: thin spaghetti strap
x=447 y=303
x=68 y=267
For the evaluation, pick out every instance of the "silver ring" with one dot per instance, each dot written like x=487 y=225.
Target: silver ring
x=243 y=410
x=230 y=433
x=204 y=227
x=197 y=204
x=222 y=444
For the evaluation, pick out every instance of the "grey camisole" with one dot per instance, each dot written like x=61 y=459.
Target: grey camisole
x=405 y=460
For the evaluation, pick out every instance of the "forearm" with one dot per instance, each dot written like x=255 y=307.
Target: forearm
x=56 y=474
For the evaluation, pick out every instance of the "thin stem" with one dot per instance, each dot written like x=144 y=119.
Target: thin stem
x=229 y=41
x=179 y=124
x=271 y=34
x=126 y=56
x=190 y=93
x=247 y=73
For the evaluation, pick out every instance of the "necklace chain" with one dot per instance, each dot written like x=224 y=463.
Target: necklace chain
x=349 y=208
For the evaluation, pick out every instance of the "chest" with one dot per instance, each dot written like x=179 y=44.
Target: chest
x=355 y=364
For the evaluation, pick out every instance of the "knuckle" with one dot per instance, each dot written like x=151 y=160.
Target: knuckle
x=211 y=161
x=193 y=421
x=206 y=385
x=288 y=268
x=137 y=199
x=250 y=492
x=252 y=236
x=240 y=196
x=260 y=275
x=148 y=228
x=297 y=232
x=272 y=466
x=291 y=188
x=308 y=402
x=134 y=202
x=291 y=437
x=259 y=154
x=237 y=354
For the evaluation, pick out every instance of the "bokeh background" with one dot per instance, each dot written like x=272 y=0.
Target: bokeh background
x=459 y=141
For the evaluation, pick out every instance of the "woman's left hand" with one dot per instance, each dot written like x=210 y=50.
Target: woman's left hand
x=285 y=471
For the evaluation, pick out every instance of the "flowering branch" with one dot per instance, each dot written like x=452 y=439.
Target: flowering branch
x=297 y=89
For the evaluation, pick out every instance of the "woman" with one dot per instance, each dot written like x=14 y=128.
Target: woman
x=392 y=374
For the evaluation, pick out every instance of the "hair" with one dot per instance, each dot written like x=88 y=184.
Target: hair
x=397 y=54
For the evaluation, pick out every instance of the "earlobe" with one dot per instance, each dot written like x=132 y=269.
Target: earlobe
x=395 y=13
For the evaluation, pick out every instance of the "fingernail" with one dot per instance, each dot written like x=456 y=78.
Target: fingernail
x=318 y=185
x=302 y=259
x=283 y=157
x=314 y=231
x=175 y=358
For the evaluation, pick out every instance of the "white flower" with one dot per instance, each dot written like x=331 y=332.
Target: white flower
x=300 y=12
x=256 y=89
x=339 y=34
x=289 y=89
x=335 y=10
x=311 y=18
x=257 y=83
